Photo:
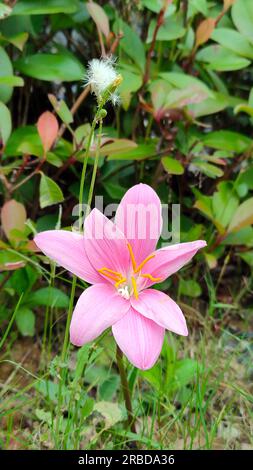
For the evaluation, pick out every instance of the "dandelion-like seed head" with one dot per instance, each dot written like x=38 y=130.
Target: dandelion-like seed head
x=101 y=75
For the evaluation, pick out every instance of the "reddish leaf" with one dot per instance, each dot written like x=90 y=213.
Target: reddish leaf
x=227 y=4
x=48 y=129
x=204 y=31
x=13 y=217
x=99 y=17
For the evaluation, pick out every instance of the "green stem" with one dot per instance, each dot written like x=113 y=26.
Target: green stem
x=11 y=322
x=125 y=389
x=85 y=161
x=63 y=359
x=95 y=167
x=66 y=336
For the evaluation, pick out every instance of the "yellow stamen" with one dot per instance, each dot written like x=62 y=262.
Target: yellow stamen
x=110 y=276
x=117 y=284
x=132 y=256
x=135 y=287
x=110 y=271
x=149 y=276
x=143 y=263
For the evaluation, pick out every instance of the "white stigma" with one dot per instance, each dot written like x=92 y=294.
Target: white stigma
x=101 y=74
x=124 y=292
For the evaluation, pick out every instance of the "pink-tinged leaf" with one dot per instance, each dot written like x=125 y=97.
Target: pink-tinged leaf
x=227 y=4
x=13 y=217
x=99 y=17
x=48 y=129
x=31 y=246
x=12 y=266
x=204 y=31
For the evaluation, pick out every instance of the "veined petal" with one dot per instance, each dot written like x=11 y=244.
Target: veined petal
x=160 y=308
x=67 y=250
x=169 y=260
x=139 y=338
x=139 y=217
x=105 y=244
x=97 y=308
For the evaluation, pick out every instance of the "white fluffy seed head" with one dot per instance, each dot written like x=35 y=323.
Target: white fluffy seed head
x=101 y=74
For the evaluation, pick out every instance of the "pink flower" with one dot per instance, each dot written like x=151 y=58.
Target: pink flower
x=120 y=260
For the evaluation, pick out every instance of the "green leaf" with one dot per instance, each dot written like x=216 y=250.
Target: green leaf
x=171 y=29
x=108 y=388
x=243 y=216
x=18 y=40
x=141 y=152
x=245 y=180
x=111 y=412
x=217 y=103
x=50 y=192
x=22 y=139
x=233 y=41
x=115 y=191
x=11 y=80
x=51 y=67
x=48 y=296
x=131 y=44
x=244 y=108
x=182 y=80
x=5 y=123
x=157 y=5
x=5 y=11
x=190 y=288
x=185 y=371
x=227 y=140
x=242 y=237
x=221 y=59
x=5 y=70
x=224 y=203
x=247 y=257
x=242 y=14
x=25 y=320
x=131 y=83
x=172 y=166
x=61 y=109
x=195 y=6
x=208 y=169
x=33 y=7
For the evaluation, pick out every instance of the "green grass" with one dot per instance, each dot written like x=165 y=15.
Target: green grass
x=198 y=396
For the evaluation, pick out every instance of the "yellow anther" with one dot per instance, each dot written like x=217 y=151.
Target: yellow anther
x=111 y=271
x=132 y=256
x=117 y=284
x=115 y=276
x=143 y=263
x=149 y=276
x=135 y=287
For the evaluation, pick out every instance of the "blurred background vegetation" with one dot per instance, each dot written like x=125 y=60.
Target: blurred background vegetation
x=184 y=126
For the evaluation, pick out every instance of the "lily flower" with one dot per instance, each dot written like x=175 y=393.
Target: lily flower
x=121 y=261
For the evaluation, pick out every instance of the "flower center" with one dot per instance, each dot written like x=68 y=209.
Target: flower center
x=127 y=286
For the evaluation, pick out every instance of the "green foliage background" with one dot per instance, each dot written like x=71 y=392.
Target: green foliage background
x=184 y=126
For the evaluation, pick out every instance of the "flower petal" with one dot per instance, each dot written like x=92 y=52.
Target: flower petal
x=169 y=260
x=67 y=250
x=139 y=338
x=105 y=244
x=160 y=308
x=97 y=308
x=139 y=217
